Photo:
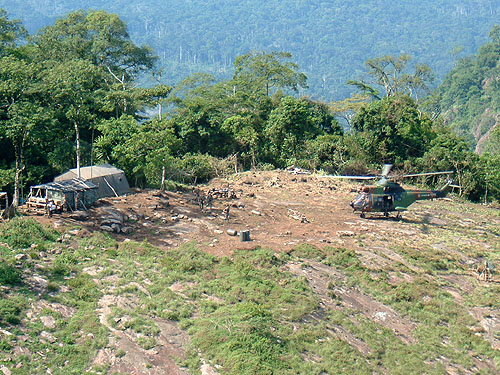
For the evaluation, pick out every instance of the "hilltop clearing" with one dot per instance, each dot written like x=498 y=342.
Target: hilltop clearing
x=316 y=290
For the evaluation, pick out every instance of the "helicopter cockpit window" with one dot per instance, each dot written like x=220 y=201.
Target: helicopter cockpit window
x=361 y=200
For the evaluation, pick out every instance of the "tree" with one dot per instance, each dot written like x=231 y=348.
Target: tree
x=450 y=152
x=347 y=108
x=244 y=136
x=101 y=39
x=390 y=73
x=142 y=150
x=20 y=109
x=400 y=131
x=77 y=89
x=291 y=124
x=490 y=165
x=268 y=71
x=11 y=32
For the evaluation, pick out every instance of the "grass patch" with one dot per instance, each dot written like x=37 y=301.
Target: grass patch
x=20 y=233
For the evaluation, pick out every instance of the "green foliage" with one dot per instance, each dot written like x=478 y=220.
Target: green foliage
x=397 y=128
x=291 y=124
x=450 y=152
x=189 y=259
x=9 y=275
x=96 y=36
x=10 y=310
x=390 y=73
x=11 y=33
x=64 y=264
x=331 y=39
x=468 y=96
x=21 y=233
x=246 y=343
x=267 y=72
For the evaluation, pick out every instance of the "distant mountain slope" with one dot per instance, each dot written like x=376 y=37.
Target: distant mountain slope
x=469 y=96
x=330 y=40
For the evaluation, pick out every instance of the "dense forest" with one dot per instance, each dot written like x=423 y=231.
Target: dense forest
x=69 y=96
x=329 y=40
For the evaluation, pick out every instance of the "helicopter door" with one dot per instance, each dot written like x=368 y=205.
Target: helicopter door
x=387 y=202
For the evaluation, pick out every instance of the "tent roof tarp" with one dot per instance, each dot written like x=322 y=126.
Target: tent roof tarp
x=90 y=172
x=74 y=184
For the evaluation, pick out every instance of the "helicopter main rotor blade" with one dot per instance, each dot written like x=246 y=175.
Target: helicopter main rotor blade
x=427 y=174
x=385 y=171
x=351 y=177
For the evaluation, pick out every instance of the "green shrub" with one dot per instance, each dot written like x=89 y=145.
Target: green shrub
x=64 y=264
x=10 y=310
x=188 y=259
x=83 y=288
x=307 y=251
x=345 y=258
x=195 y=168
x=21 y=233
x=9 y=275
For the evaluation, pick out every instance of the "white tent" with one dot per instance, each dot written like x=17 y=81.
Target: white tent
x=110 y=180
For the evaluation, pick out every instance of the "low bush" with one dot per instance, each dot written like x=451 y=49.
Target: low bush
x=9 y=275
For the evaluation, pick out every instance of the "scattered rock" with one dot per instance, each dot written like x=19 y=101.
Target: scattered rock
x=127 y=230
x=106 y=228
x=47 y=336
x=255 y=212
x=345 y=233
x=74 y=232
x=20 y=257
x=5 y=370
x=48 y=321
x=79 y=215
x=4 y=332
x=116 y=228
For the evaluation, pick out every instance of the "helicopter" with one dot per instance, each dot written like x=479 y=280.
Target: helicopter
x=389 y=196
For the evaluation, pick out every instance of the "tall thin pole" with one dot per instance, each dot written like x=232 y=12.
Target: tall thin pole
x=92 y=154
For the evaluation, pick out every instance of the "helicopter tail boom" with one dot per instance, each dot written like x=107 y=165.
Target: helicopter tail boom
x=441 y=193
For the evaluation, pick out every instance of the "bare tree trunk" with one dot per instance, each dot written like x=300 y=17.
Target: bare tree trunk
x=163 y=178
x=77 y=134
x=17 y=176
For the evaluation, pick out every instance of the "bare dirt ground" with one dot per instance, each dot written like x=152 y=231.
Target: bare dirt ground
x=281 y=210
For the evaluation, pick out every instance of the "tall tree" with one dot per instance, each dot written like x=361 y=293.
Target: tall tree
x=398 y=128
x=20 y=109
x=101 y=39
x=391 y=73
x=77 y=89
x=268 y=71
x=11 y=32
x=291 y=124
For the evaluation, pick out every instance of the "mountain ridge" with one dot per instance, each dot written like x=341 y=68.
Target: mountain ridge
x=329 y=41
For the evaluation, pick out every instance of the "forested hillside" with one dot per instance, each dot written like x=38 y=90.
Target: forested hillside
x=469 y=96
x=329 y=40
